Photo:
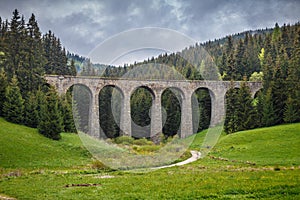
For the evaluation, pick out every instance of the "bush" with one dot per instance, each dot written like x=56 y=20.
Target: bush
x=124 y=140
x=148 y=148
x=142 y=141
x=98 y=165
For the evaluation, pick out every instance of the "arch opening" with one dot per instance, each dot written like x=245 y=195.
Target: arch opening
x=171 y=102
x=140 y=104
x=201 y=109
x=110 y=104
x=81 y=106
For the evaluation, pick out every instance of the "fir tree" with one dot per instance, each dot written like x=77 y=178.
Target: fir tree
x=230 y=124
x=13 y=107
x=30 y=110
x=245 y=110
x=51 y=122
x=68 y=120
x=268 y=116
x=3 y=85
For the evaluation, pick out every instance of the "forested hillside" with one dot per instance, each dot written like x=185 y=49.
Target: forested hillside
x=271 y=56
x=25 y=56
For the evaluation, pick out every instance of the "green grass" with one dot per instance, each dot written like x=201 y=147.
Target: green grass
x=24 y=148
x=278 y=145
x=34 y=167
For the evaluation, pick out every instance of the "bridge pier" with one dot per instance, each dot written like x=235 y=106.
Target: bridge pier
x=186 y=125
x=217 y=107
x=156 y=116
x=125 y=121
x=94 y=125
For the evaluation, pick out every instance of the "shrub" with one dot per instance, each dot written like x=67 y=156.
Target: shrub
x=142 y=141
x=98 y=165
x=124 y=140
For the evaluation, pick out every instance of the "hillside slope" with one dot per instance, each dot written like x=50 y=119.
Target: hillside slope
x=277 y=145
x=23 y=147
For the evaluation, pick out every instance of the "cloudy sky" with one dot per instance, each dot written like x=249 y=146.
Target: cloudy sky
x=82 y=25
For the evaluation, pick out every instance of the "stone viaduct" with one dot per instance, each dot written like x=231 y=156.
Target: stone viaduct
x=217 y=90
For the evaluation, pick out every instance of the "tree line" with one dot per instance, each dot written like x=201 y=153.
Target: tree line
x=25 y=56
x=270 y=56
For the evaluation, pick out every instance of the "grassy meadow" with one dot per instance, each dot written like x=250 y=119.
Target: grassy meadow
x=255 y=164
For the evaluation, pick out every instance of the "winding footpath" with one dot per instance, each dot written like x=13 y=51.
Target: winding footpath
x=195 y=156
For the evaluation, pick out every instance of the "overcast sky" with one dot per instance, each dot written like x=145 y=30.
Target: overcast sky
x=82 y=25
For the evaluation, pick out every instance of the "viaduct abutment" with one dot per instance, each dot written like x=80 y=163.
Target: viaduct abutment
x=217 y=90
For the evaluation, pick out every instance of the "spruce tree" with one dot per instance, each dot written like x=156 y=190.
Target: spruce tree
x=3 y=85
x=293 y=81
x=13 y=108
x=245 y=110
x=268 y=116
x=30 y=110
x=51 y=121
x=68 y=120
x=230 y=124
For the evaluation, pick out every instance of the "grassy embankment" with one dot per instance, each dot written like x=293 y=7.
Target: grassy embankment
x=261 y=163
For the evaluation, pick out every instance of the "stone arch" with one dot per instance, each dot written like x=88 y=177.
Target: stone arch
x=140 y=114
x=111 y=99
x=82 y=98
x=202 y=98
x=70 y=84
x=172 y=99
x=256 y=93
x=149 y=89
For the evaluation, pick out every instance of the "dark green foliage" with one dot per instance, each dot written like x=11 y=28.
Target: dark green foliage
x=246 y=113
x=268 y=114
x=13 y=108
x=31 y=116
x=293 y=82
x=3 y=85
x=24 y=52
x=140 y=103
x=110 y=102
x=240 y=112
x=51 y=121
x=291 y=112
x=230 y=124
x=25 y=56
x=66 y=111
x=171 y=102
x=203 y=106
x=82 y=98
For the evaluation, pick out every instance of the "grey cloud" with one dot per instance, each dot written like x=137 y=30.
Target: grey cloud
x=82 y=25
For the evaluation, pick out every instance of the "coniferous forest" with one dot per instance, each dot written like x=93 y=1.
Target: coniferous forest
x=269 y=55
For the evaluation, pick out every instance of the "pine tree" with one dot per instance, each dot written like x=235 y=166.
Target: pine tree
x=13 y=107
x=68 y=120
x=51 y=122
x=3 y=85
x=268 y=116
x=239 y=61
x=230 y=124
x=291 y=113
x=293 y=81
x=204 y=107
x=245 y=110
x=30 y=110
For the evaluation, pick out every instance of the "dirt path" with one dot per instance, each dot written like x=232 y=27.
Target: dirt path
x=6 y=197
x=195 y=156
